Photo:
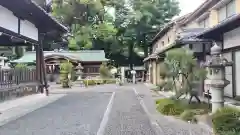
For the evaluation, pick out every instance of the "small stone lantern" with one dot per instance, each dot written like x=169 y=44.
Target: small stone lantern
x=133 y=72
x=217 y=81
x=79 y=71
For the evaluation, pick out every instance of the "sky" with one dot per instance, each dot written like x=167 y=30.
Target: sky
x=188 y=6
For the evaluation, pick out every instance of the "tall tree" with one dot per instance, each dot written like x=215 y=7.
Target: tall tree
x=121 y=35
x=86 y=19
x=138 y=21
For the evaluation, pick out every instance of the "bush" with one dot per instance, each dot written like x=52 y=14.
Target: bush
x=110 y=81
x=168 y=107
x=188 y=115
x=89 y=82
x=226 y=120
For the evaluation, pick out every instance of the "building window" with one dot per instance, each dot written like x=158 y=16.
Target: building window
x=227 y=11
x=162 y=43
x=231 y=8
x=204 y=23
x=168 y=39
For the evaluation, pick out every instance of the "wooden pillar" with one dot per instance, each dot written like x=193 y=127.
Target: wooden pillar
x=43 y=67
x=158 y=79
x=38 y=69
x=154 y=73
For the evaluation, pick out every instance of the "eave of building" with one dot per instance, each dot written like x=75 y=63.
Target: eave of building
x=220 y=4
x=8 y=38
x=203 y=16
x=188 y=37
x=199 y=11
x=162 y=32
x=167 y=27
x=217 y=30
x=150 y=57
x=29 y=10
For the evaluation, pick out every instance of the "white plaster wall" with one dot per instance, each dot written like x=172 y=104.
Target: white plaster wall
x=192 y=24
x=237 y=64
x=8 y=20
x=231 y=38
x=28 y=29
x=197 y=47
x=228 y=90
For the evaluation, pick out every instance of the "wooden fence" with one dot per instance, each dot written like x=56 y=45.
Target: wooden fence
x=17 y=82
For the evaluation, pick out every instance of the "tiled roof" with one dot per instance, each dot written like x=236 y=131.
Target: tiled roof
x=83 y=56
x=224 y=23
x=167 y=26
x=190 y=35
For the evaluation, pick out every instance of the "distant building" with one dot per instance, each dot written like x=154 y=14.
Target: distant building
x=90 y=60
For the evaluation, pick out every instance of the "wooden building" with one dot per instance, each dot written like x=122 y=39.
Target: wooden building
x=90 y=60
x=24 y=23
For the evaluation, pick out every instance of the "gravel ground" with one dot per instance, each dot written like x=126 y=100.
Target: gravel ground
x=127 y=116
x=74 y=114
x=169 y=125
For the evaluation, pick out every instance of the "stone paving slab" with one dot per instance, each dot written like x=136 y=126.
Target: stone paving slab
x=74 y=114
x=127 y=116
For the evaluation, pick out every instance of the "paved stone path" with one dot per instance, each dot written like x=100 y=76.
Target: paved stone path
x=83 y=111
x=128 y=117
x=74 y=114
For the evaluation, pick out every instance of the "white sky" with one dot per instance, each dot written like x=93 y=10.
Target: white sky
x=188 y=6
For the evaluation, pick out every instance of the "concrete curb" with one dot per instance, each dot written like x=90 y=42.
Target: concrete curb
x=154 y=124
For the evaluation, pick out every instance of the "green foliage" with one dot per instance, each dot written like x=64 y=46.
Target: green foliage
x=98 y=82
x=180 y=62
x=188 y=115
x=110 y=81
x=104 y=71
x=226 y=120
x=172 y=106
x=65 y=69
x=95 y=25
x=87 y=21
x=21 y=66
x=168 y=107
x=89 y=82
x=163 y=70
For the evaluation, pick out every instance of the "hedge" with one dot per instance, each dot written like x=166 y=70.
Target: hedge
x=226 y=121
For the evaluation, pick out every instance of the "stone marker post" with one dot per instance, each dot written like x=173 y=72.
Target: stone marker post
x=133 y=72
x=122 y=75
x=217 y=81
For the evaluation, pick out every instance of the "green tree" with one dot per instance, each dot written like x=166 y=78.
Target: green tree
x=183 y=67
x=122 y=33
x=138 y=21
x=86 y=19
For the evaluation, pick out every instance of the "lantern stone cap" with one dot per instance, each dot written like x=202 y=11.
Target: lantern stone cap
x=217 y=83
x=216 y=49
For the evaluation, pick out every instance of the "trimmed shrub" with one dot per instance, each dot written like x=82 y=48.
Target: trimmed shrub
x=226 y=120
x=169 y=107
x=89 y=82
x=164 y=101
x=188 y=115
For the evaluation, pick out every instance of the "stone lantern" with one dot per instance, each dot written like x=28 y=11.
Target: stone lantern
x=79 y=71
x=133 y=72
x=217 y=81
